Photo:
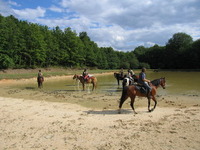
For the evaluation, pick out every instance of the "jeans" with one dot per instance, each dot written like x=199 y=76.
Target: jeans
x=146 y=85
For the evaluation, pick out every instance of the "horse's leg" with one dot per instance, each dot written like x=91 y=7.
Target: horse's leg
x=132 y=103
x=149 y=103
x=39 y=84
x=93 y=85
x=83 y=86
x=155 y=101
x=122 y=99
x=118 y=81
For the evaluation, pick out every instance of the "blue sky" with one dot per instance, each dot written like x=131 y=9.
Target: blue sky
x=121 y=24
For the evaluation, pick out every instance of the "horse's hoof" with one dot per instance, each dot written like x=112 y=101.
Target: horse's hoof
x=135 y=112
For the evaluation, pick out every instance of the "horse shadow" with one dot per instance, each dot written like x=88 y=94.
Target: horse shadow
x=114 y=112
x=107 y=112
x=30 y=88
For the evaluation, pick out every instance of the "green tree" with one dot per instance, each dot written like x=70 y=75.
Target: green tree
x=90 y=50
x=175 y=49
x=5 y=61
x=74 y=48
x=192 y=56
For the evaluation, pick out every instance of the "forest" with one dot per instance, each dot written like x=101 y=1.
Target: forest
x=29 y=45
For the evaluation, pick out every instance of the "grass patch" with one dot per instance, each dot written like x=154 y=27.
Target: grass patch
x=47 y=72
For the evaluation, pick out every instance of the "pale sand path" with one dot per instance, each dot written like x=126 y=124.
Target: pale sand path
x=28 y=124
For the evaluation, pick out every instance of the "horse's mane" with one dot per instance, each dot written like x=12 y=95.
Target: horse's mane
x=156 y=82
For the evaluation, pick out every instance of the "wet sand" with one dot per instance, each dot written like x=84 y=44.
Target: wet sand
x=35 y=119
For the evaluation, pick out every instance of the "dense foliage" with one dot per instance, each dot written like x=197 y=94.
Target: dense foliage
x=28 y=45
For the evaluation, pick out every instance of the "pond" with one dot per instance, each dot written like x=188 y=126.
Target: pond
x=177 y=83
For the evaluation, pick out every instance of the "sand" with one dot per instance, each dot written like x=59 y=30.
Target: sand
x=39 y=124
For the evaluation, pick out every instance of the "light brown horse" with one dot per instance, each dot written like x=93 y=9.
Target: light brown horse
x=92 y=80
x=132 y=91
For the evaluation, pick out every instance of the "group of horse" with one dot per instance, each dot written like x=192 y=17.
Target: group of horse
x=130 y=88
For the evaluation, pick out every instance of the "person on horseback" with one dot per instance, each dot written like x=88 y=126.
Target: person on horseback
x=130 y=72
x=85 y=75
x=145 y=82
x=130 y=75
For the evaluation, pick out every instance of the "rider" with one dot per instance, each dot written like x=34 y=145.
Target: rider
x=145 y=82
x=130 y=72
x=85 y=74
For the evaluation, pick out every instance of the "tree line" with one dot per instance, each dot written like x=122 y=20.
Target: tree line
x=29 y=45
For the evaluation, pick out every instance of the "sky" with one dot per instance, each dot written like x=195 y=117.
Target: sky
x=120 y=24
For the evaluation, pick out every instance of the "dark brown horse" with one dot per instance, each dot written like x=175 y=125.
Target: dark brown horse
x=40 y=80
x=132 y=91
x=118 y=76
x=92 y=80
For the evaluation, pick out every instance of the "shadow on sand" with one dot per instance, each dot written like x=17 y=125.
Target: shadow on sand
x=113 y=112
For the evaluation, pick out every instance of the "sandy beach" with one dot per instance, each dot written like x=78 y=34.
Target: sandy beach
x=27 y=123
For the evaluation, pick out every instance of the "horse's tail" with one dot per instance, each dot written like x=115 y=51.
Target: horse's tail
x=124 y=96
x=94 y=82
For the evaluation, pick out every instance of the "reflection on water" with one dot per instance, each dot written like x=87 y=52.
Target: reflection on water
x=178 y=83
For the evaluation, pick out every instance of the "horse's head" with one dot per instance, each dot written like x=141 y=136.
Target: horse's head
x=75 y=76
x=162 y=82
x=159 y=82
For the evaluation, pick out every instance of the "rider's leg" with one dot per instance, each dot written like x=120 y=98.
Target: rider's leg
x=148 y=90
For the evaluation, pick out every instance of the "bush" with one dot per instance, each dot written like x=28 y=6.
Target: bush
x=146 y=65
x=6 y=62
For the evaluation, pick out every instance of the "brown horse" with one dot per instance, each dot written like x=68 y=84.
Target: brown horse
x=40 y=80
x=132 y=91
x=92 y=80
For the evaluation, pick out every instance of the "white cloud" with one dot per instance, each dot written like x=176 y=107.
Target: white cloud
x=5 y=8
x=122 y=25
x=56 y=9
x=30 y=13
x=13 y=3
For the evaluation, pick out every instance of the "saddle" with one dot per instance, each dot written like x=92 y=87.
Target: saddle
x=87 y=78
x=141 y=88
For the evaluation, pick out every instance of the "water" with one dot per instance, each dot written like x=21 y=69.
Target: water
x=177 y=83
